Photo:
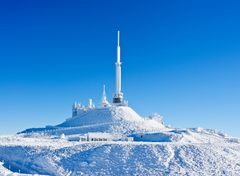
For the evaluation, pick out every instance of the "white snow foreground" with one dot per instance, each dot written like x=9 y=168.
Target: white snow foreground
x=60 y=157
x=155 y=149
x=6 y=172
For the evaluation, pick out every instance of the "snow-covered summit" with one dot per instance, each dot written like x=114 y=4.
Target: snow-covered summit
x=115 y=119
x=121 y=122
x=102 y=115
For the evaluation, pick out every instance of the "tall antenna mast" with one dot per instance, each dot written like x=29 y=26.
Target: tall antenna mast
x=118 y=96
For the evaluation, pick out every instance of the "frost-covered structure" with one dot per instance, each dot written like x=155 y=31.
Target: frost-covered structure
x=115 y=119
x=118 y=100
x=78 y=108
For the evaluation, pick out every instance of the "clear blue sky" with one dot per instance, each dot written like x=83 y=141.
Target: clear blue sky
x=180 y=58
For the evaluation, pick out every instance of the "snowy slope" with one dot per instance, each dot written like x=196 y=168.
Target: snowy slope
x=3 y=170
x=156 y=150
x=116 y=119
x=6 y=172
x=124 y=121
x=59 y=157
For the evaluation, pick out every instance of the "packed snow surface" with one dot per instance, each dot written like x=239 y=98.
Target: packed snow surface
x=60 y=157
x=156 y=149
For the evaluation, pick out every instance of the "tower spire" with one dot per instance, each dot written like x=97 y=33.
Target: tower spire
x=118 y=96
x=105 y=103
x=104 y=92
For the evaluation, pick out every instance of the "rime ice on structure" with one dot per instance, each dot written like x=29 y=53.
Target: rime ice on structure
x=118 y=99
x=91 y=104
x=78 y=108
x=105 y=102
x=118 y=96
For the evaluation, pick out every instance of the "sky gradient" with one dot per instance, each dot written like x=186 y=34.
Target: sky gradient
x=180 y=59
